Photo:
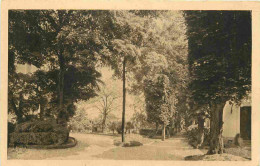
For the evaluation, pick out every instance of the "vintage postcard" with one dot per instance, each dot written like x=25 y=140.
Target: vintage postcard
x=129 y=83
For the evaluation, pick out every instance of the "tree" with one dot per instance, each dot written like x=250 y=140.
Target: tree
x=124 y=47
x=65 y=43
x=19 y=92
x=80 y=121
x=220 y=63
x=129 y=126
x=163 y=57
x=158 y=101
x=106 y=103
x=139 y=120
x=113 y=126
x=21 y=45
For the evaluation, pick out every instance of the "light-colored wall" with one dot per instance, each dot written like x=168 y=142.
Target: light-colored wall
x=231 y=125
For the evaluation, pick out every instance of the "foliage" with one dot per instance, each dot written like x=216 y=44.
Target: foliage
x=39 y=133
x=129 y=126
x=220 y=55
x=139 y=120
x=106 y=102
x=193 y=137
x=160 y=71
x=38 y=138
x=219 y=63
x=80 y=121
x=63 y=43
x=113 y=126
x=146 y=132
x=158 y=104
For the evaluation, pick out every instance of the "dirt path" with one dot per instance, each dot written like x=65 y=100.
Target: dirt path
x=95 y=145
x=176 y=148
x=101 y=147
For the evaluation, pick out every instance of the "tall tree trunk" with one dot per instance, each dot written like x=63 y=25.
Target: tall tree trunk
x=200 y=136
x=216 y=128
x=61 y=114
x=124 y=100
x=163 y=132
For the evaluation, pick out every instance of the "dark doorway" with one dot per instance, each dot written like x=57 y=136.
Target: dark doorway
x=245 y=122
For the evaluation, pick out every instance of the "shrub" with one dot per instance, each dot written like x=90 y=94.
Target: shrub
x=119 y=127
x=238 y=140
x=11 y=128
x=132 y=143
x=146 y=132
x=36 y=126
x=194 y=139
x=40 y=138
x=113 y=126
x=150 y=132
x=39 y=133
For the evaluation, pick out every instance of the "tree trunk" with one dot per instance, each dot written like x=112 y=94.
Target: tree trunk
x=200 y=136
x=124 y=100
x=61 y=113
x=168 y=132
x=163 y=132
x=42 y=108
x=156 y=128
x=17 y=111
x=216 y=128
x=104 y=122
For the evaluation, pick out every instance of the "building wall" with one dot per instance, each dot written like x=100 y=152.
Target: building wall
x=231 y=119
x=231 y=126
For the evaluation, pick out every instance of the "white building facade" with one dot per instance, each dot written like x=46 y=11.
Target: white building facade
x=237 y=120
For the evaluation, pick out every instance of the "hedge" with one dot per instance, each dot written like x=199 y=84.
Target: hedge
x=39 y=133
x=40 y=138
x=36 y=126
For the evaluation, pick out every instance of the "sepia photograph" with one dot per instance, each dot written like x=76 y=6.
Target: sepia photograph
x=133 y=84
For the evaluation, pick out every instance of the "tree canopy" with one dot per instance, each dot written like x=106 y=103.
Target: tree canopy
x=219 y=63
